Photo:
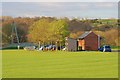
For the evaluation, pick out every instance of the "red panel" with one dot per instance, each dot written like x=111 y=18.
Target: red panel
x=91 y=42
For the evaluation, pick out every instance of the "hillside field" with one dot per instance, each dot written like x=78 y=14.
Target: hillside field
x=59 y=64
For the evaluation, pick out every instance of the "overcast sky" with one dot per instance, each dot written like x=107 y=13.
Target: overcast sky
x=100 y=9
x=59 y=0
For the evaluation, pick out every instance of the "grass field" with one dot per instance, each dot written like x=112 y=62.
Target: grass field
x=35 y=64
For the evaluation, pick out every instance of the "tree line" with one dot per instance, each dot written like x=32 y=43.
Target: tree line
x=52 y=30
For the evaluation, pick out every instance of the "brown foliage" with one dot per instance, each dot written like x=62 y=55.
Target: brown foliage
x=76 y=25
x=109 y=37
x=76 y=35
x=112 y=37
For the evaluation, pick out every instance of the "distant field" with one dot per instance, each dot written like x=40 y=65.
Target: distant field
x=56 y=64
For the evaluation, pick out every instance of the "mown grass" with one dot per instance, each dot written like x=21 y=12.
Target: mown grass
x=59 y=64
x=0 y=64
x=115 y=47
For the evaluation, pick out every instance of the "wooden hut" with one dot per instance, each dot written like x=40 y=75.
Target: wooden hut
x=71 y=44
x=88 y=41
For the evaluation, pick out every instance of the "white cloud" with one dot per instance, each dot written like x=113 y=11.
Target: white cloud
x=29 y=15
x=50 y=5
x=106 y=4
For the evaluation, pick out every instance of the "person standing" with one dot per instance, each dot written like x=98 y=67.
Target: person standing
x=18 y=47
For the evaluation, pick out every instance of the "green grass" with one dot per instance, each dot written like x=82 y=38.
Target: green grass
x=115 y=47
x=34 y=64
x=0 y=64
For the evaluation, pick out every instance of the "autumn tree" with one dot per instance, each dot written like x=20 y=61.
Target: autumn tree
x=39 y=31
x=77 y=25
x=50 y=29
x=58 y=30
x=76 y=35
x=112 y=37
x=6 y=33
x=45 y=31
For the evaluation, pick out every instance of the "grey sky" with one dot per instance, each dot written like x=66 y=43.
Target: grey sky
x=59 y=0
x=61 y=9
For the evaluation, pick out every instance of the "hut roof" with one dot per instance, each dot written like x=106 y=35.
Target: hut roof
x=84 y=34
